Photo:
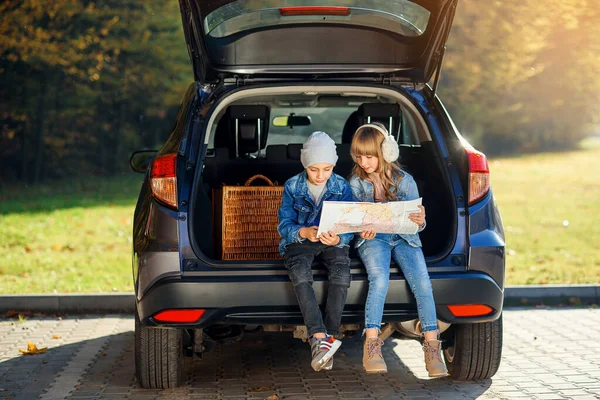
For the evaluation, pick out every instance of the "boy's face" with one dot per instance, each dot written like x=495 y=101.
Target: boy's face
x=318 y=174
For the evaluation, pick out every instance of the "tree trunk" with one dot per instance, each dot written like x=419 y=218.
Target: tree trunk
x=24 y=155
x=23 y=100
x=119 y=139
x=41 y=115
x=54 y=119
x=102 y=140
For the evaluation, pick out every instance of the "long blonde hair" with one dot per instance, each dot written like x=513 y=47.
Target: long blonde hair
x=367 y=142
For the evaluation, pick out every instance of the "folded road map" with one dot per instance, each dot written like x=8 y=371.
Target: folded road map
x=345 y=217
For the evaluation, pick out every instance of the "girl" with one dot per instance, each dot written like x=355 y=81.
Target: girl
x=377 y=177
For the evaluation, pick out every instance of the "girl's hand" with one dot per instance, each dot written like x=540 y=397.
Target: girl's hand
x=367 y=234
x=329 y=238
x=309 y=233
x=418 y=218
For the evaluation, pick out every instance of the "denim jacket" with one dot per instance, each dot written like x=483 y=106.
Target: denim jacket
x=407 y=190
x=298 y=210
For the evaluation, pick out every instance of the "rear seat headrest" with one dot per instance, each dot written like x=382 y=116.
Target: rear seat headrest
x=387 y=114
x=343 y=151
x=369 y=113
x=379 y=110
x=293 y=150
x=277 y=152
x=247 y=122
x=251 y=112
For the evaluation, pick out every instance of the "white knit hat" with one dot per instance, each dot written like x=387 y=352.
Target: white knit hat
x=318 y=148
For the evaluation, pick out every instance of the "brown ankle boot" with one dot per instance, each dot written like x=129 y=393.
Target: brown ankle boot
x=372 y=359
x=433 y=358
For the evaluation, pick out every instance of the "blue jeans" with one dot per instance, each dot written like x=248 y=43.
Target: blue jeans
x=298 y=259
x=376 y=256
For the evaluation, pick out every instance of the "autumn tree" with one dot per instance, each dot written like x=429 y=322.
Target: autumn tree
x=82 y=82
x=523 y=76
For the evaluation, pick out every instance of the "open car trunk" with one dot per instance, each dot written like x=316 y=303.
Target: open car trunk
x=241 y=121
x=402 y=39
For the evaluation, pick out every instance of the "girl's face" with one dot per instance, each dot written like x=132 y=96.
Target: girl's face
x=369 y=163
x=318 y=174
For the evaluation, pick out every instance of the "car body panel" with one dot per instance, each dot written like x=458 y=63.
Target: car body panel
x=486 y=239
x=271 y=299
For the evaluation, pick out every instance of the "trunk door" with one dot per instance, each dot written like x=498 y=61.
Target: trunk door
x=400 y=39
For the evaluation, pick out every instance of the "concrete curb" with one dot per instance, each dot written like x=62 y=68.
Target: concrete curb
x=552 y=295
x=115 y=303
x=106 y=303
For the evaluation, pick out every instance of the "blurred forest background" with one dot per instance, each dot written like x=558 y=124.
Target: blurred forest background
x=84 y=83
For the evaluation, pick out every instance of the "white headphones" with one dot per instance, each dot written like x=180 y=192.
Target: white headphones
x=389 y=146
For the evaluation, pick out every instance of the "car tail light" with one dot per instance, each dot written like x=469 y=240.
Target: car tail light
x=163 y=179
x=179 y=316
x=479 y=175
x=470 y=310
x=314 y=10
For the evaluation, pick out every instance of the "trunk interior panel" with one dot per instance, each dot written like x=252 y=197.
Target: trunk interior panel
x=231 y=160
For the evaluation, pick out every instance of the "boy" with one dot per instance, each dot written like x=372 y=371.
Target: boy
x=299 y=218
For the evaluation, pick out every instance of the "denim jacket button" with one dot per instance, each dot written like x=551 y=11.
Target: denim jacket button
x=302 y=208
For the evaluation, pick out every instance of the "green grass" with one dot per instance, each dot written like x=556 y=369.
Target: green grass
x=71 y=237
x=550 y=205
x=67 y=237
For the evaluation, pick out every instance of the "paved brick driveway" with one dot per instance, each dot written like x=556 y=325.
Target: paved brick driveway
x=548 y=354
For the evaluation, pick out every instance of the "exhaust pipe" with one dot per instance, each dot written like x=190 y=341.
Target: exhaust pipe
x=411 y=329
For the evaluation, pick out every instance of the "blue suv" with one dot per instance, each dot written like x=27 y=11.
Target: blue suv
x=267 y=74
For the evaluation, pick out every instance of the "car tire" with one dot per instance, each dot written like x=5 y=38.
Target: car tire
x=159 y=359
x=474 y=350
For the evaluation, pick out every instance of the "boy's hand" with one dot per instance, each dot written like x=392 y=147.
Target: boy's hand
x=418 y=218
x=309 y=233
x=329 y=238
x=367 y=234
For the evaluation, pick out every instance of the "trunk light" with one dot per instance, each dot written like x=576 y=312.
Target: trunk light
x=479 y=175
x=314 y=10
x=163 y=179
x=178 y=316
x=470 y=310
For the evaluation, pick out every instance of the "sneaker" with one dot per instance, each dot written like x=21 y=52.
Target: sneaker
x=322 y=351
x=329 y=365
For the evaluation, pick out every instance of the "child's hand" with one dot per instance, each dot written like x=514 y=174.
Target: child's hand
x=418 y=218
x=330 y=239
x=367 y=234
x=309 y=233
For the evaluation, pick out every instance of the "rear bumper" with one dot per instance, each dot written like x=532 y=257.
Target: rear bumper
x=261 y=302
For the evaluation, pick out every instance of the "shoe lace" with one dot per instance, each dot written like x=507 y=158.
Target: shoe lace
x=433 y=352
x=374 y=348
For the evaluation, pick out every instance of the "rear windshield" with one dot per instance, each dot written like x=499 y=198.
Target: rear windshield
x=400 y=16
x=330 y=120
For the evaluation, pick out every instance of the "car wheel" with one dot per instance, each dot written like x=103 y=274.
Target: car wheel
x=158 y=356
x=474 y=350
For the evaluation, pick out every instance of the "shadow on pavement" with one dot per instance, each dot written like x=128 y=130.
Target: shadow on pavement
x=60 y=367
x=262 y=364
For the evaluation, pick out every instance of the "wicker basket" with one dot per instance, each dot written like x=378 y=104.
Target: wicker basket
x=246 y=221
